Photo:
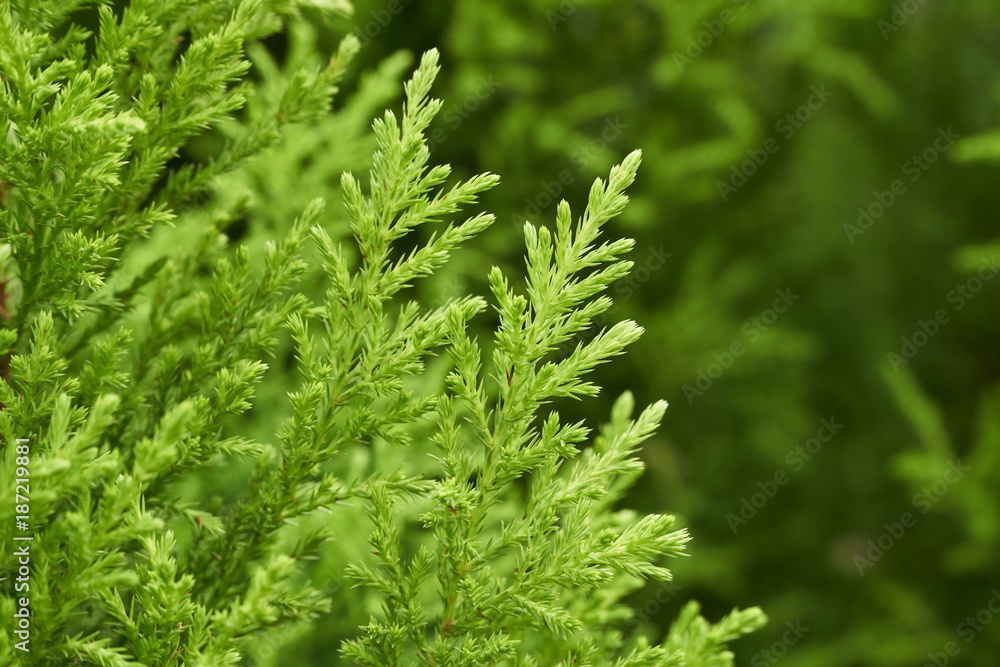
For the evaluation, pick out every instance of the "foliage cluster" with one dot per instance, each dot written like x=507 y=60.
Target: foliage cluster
x=183 y=512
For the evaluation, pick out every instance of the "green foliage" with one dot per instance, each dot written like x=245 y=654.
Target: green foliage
x=139 y=334
x=580 y=83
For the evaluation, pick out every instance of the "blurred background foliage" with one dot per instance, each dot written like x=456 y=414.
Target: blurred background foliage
x=838 y=97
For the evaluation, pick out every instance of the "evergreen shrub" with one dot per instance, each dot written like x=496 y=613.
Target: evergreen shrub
x=411 y=475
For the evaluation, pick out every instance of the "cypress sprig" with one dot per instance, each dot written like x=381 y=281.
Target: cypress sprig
x=547 y=582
